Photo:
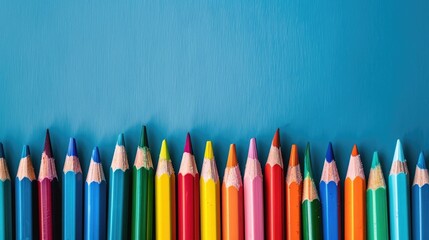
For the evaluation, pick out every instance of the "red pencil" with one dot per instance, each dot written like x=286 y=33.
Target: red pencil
x=188 y=184
x=49 y=223
x=275 y=192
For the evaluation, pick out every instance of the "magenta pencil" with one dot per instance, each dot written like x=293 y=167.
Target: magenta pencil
x=253 y=195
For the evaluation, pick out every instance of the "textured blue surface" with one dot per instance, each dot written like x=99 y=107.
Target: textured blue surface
x=346 y=72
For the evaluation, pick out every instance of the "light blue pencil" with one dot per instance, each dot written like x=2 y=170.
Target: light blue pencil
x=399 y=196
x=5 y=199
x=118 y=193
x=25 y=197
x=95 y=200
x=72 y=194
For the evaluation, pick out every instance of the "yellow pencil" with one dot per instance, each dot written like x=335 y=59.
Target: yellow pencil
x=209 y=196
x=165 y=196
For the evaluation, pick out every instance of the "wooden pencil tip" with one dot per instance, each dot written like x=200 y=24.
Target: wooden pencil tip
x=164 y=154
x=96 y=155
x=121 y=140
x=375 y=160
x=329 y=153
x=421 y=162
x=143 y=138
x=276 y=139
x=188 y=144
x=253 y=151
x=25 y=151
x=72 y=150
x=355 y=151
x=208 y=154
x=399 y=152
x=293 y=159
x=1 y=150
x=307 y=163
x=232 y=157
x=48 y=148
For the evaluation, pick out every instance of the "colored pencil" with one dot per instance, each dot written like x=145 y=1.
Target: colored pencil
x=293 y=196
x=355 y=199
x=188 y=187
x=95 y=199
x=165 y=196
x=232 y=199
x=274 y=192
x=117 y=226
x=25 y=183
x=311 y=207
x=5 y=199
x=376 y=199
x=72 y=194
x=253 y=195
x=399 y=196
x=209 y=196
x=48 y=192
x=143 y=191
x=330 y=196
x=420 y=198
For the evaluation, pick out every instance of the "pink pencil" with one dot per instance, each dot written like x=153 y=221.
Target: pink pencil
x=253 y=195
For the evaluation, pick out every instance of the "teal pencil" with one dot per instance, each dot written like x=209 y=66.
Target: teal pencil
x=5 y=199
x=399 y=196
x=72 y=194
x=25 y=196
x=118 y=193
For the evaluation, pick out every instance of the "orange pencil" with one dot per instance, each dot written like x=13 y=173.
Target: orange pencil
x=232 y=199
x=293 y=196
x=354 y=199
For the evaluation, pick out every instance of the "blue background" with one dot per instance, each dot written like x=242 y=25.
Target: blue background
x=346 y=72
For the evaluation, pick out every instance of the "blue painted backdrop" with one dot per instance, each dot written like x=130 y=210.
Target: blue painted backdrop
x=224 y=70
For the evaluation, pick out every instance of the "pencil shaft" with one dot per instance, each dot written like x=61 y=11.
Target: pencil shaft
x=72 y=205
x=188 y=206
x=232 y=213
x=420 y=210
x=95 y=210
x=118 y=205
x=24 y=207
x=165 y=207
x=399 y=206
x=142 y=214
x=210 y=209
x=331 y=210
x=254 y=208
x=355 y=209
x=378 y=227
x=5 y=210
x=293 y=210
x=312 y=220
x=274 y=188
x=49 y=223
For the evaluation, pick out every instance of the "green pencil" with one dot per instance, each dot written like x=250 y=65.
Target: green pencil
x=376 y=199
x=143 y=191
x=5 y=199
x=311 y=207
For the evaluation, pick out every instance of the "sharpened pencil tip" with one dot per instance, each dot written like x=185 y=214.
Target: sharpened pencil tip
x=188 y=144
x=375 y=160
x=253 y=151
x=421 y=162
x=1 y=150
x=208 y=154
x=25 y=151
x=399 y=152
x=96 y=155
x=276 y=138
x=232 y=156
x=307 y=163
x=164 y=154
x=329 y=153
x=355 y=151
x=293 y=159
x=48 y=147
x=121 y=140
x=72 y=150
x=143 y=138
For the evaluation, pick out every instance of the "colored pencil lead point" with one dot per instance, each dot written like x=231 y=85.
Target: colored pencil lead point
x=399 y=152
x=307 y=163
x=293 y=160
x=72 y=150
x=1 y=150
x=421 y=162
x=208 y=154
x=48 y=148
x=355 y=151
x=232 y=156
x=164 y=154
x=96 y=155
x=121 y=140
x=143 y=138
x=276 y=139
x=25 y=151
x=329 y=153
x=375 y=161
x=253 y=152
x=188 y=144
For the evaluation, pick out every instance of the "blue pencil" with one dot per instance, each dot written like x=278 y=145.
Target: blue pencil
x=399 y=196
x=118 y=193
x=5 y=199
x=95 y=200
x=25 y=196
x=420 y=197
x=330 y=197
x=72 y=194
